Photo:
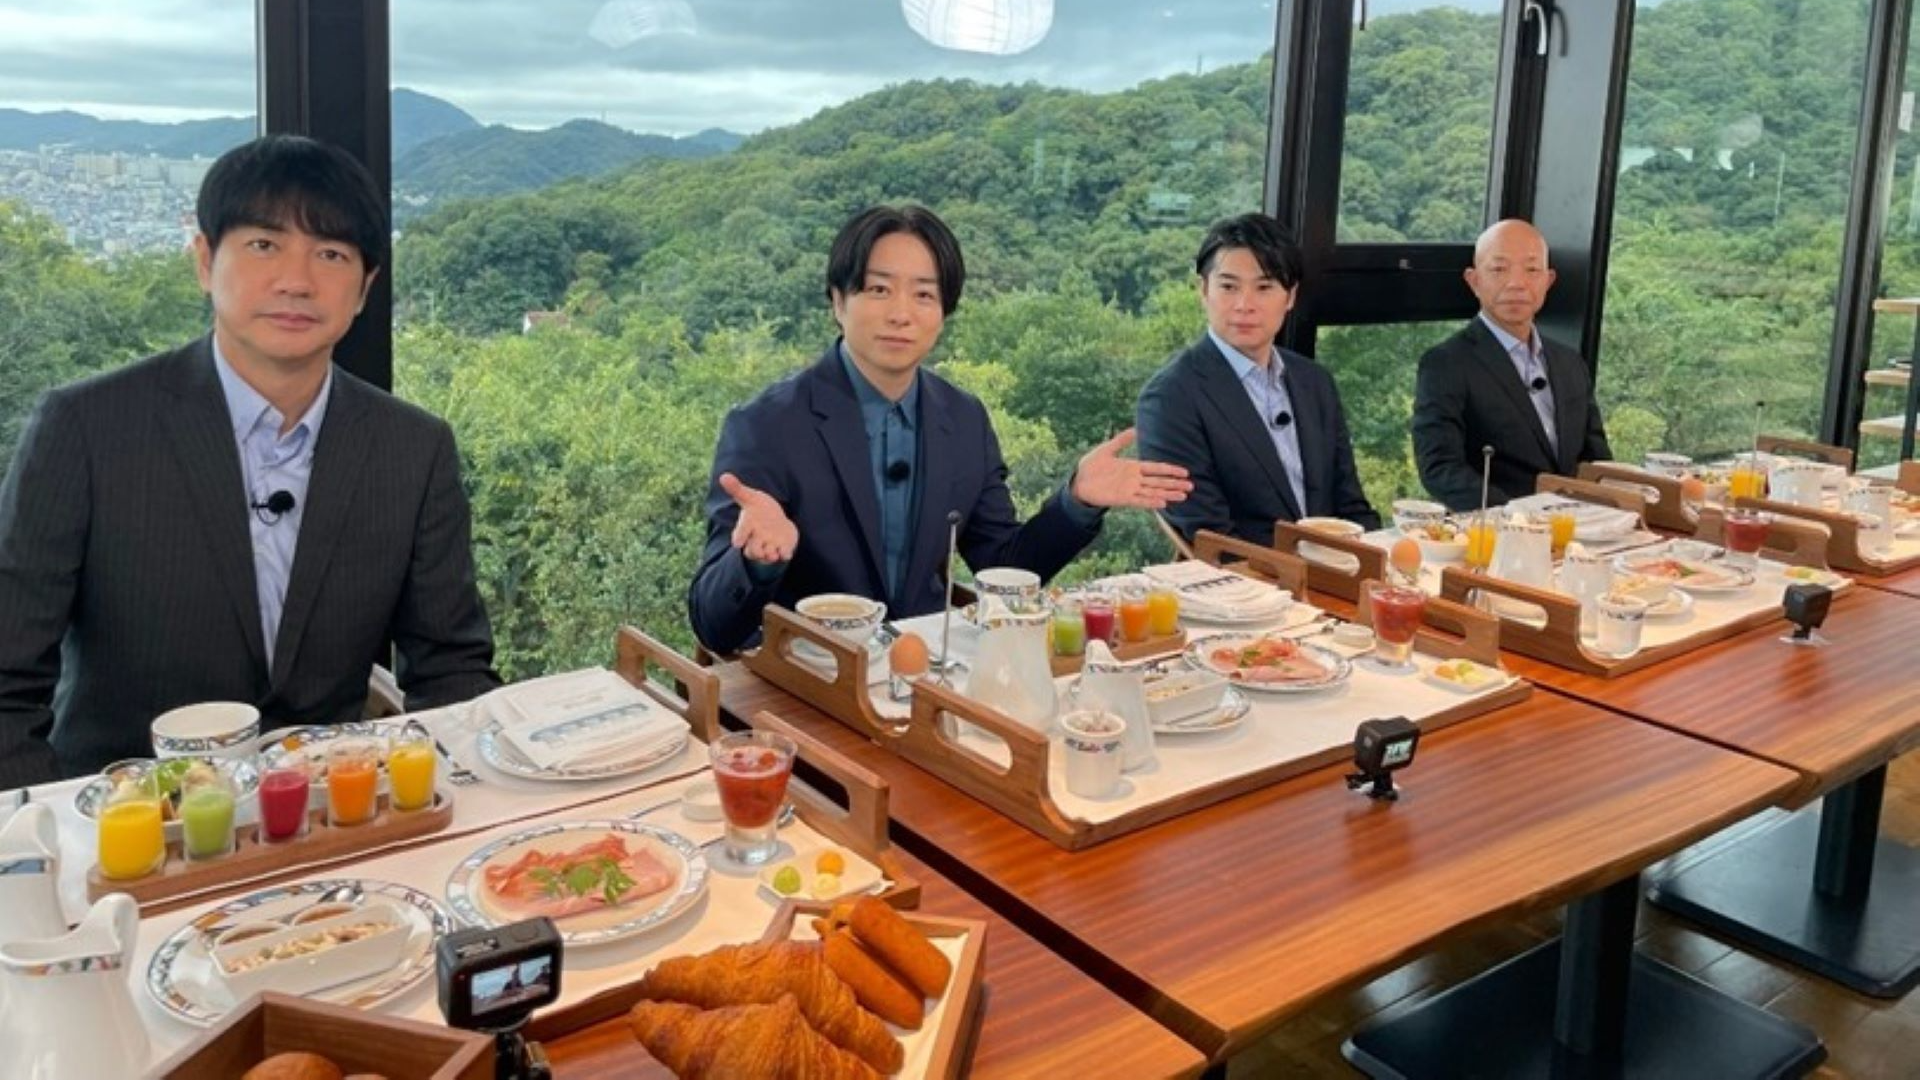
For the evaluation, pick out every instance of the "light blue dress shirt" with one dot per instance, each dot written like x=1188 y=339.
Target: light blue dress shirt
x=1267 y=388
x=270 y=462
x=892 y=428
x=1530 y=360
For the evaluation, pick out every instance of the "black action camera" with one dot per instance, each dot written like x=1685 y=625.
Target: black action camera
x=491 y=979
x=1379 y=748
x=1806 y=607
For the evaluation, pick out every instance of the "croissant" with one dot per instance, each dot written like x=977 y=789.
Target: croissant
x=751 y=1042
x=758 y=974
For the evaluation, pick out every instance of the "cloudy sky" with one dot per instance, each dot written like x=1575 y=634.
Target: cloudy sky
x=669 y=66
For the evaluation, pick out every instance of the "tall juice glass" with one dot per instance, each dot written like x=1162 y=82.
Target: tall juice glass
x=1561 y=522
x=206 y=817
x=1163 y=611
x=1136 y=619
x=1396 y=619
x=284 y=792
x=1745 y=532
x=132 y=837
x=751 y=769
x=411 y=761
x=1069 y=628
x=1748 y=479
x=1482 y=533
x=1096 y=612
x=353 y=781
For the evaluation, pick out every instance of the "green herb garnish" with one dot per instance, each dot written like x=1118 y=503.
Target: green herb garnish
x=599 y=875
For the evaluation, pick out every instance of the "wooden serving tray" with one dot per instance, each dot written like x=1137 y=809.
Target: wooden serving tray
x=1787 y=446
x=591 y=1038
x=1909 y=479
x=1843 y=537
x=358 y=1040
x=1664 y=509
x=1287 y=538
x=253 y=861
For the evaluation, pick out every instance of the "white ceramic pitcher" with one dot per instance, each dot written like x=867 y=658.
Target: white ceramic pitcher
x=70 y=1010
x=29 y=882
x=1108 y=684
x=1524 y=553
x=1010 y=670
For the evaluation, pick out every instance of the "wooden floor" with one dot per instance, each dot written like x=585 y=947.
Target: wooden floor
x=1867 y=1039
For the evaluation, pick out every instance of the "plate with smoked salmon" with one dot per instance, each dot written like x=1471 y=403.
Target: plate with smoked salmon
x=598 y=881
x=1269 y=662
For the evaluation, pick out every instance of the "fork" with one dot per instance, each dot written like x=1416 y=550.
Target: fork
x=460 y=776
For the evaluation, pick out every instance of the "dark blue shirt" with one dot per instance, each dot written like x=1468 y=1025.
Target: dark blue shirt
x=893 y=441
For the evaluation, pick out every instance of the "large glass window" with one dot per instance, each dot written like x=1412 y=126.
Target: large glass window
x=1736 y=161
x=1419 y=122
x=614 y=221
x=110 y=113
x=1889 y=365
x=1374 y=368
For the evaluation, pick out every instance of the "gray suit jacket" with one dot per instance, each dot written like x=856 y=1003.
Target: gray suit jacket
x=127 y=580
x=1468 y=395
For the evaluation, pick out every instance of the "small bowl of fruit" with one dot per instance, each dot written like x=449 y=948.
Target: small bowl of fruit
x=819 y=877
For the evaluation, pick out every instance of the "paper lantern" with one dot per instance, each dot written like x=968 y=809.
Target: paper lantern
x=622 y=22
x=1001 y=27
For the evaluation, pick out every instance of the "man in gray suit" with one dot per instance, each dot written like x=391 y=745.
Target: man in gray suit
x=237 y=519
x=1498 y=383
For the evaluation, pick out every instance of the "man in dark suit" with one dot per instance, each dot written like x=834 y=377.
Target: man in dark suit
x=1259 y=428
x=842 y=478
x=1498 y=383
x=237 y=519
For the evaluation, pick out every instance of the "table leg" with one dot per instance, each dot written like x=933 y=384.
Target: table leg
x=1616 y=1014
x=1823 y=890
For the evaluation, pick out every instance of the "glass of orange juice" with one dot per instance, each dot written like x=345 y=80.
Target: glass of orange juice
x=1136 y=618
x=1163 y=611
x=1748 y=479
x=353 y=781
x=1561 y=522
x=411 y=761
x=132 y=837
x=1482 y=532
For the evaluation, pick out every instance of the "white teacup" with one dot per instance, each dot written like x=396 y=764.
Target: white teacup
x=1620 y=621
x=1798 y=482
x=1666 y=464
x=1092 y=741
x=848 y=616
x=1410 y=515
x=1015 y=587
x=214 y=729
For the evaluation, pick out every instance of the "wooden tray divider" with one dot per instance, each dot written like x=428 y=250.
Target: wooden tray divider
x=1451 y=631
x=694 y=693
x=1792 y=540
x=841 y=695
x=1909 y=477
x=1164 y=645
x=1276 y=568
x=1843 y=551
x=1287 y=538
x=1599 y=494
x=1664 y=509
x=1824 y=453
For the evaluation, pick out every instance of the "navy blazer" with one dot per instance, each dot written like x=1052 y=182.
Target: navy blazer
x=803 y=442
x=1195 y=412
x=127 y=577
x=1469 y=395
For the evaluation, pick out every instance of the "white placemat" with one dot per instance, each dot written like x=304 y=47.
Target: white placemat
x=733 y=911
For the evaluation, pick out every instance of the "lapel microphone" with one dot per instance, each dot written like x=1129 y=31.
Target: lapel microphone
x=898 y=472
x=1282 y=418
x=1539 y=383
x=274 y=508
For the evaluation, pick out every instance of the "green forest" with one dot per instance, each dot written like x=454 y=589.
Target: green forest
x=688 y=285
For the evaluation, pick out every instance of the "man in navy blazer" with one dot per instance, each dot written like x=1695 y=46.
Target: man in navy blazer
x=1258 y=428
x=843 y=477
x=1498 y=383
x=237 y=519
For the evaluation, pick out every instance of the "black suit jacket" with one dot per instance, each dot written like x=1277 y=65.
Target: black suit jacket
x=1469 y=395
x=1194 y=412
x=126 y=569
x=802 y=441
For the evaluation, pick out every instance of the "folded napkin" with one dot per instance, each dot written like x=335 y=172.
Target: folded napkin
x=581 y=717
x=1591 y=521
x=1209 y=592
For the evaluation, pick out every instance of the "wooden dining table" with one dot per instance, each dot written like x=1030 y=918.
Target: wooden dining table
x=1822 y=889
x=1225 y=921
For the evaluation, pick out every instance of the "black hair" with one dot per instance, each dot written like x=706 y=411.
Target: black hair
x=1272 y=247
x=847 y=262
x=285 y=181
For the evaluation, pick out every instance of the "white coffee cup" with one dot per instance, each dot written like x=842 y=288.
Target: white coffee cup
x=216 y=729
x=1798 y=482
x=1620 y=622
x=847 y=615
x=1093 y=741
x=1015 y=587
x=1666 y=464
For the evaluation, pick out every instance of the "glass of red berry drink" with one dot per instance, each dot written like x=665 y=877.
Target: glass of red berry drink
x=751 y=769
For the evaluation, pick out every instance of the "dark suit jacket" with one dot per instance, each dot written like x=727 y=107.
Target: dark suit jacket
x=802 y=441
x=127 y=578
x=1469 y=396
x=1194 y=412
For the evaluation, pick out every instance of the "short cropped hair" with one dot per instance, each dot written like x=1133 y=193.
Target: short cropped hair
x=1272 y=247
x=285 y=181
x=847 y=262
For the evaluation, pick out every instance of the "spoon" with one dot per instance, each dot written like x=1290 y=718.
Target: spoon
x=215 y=923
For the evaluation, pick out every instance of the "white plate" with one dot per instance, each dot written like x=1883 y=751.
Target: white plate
x=861 y=877
x=1439 y=550
x=469 y=896
x=1704 y=577
x=1231 y=713
x=310 y=744
x=1810 y=576
x=1490 y=678
x=181 y=979
x=1339 y=667
x=503 y=755
x=245 y=777
x=1677 y=605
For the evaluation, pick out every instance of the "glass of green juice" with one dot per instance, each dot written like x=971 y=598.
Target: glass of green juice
x=206 y=817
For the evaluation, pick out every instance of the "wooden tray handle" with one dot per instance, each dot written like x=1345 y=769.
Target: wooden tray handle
x=1805 y=536
x=1020 y=786
x=1667 y=509
x=1563 y=611
x=1287 y=538
x=1451 y=631
x=862 y=823
x=1909 y=479
x=1816 y=451
x=1282 y=570
x=842 y=695
x=1592 y=491
x=694 y=693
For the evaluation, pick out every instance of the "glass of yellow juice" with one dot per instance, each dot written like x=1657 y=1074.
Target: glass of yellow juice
x=411 y=763
x=1482 y=532
x=131 y=833
x=1561 y=521
x=1748 y=479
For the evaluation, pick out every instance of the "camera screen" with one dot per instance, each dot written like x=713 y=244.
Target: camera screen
x=1397 y=753
x=511 y=984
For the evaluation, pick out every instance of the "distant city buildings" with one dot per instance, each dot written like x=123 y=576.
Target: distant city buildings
x=108 y=204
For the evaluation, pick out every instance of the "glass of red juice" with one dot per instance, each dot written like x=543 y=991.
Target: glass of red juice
x=1396 y=618
x=1097 y=612
x=1745 y=531
x=285 y=788
x=751 y=769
